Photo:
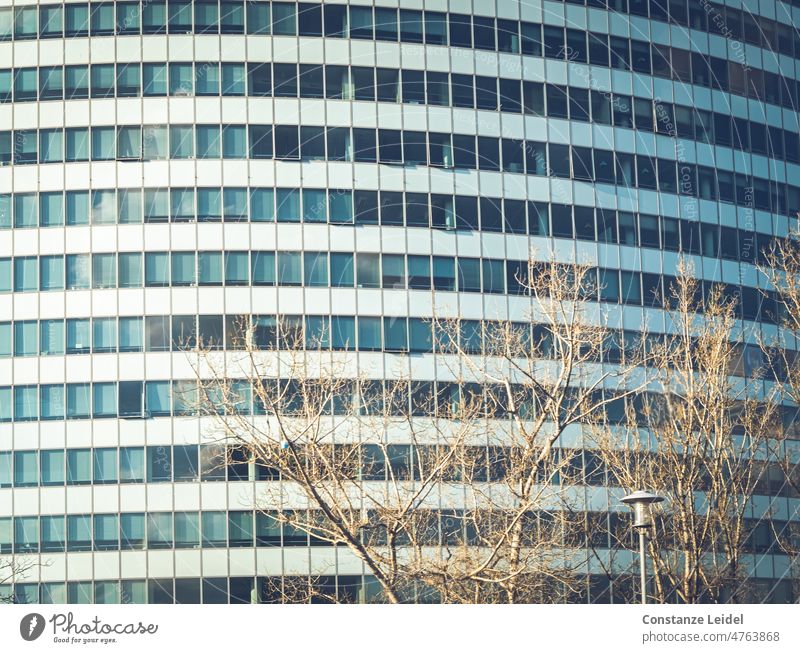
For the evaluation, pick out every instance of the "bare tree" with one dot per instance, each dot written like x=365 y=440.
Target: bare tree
x=13 y=568
x=701 y=437
x=443 y=491
x=780 y=267
x=547 y=376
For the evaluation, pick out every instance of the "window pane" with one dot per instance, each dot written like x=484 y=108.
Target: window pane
x=132 y=531
x=26 y=274
x=104 y=270
x=106 y=533
x=185 y=463
x=26 y=403
x=78 y=399
x=240 y=529
x=53 y=467
x=77 y=207
x=187 y=530
x=159 y=530
x=26 y=472
x=105 y=465
x=131 y=464
x=53 y=533
x=77 y=271
x=53 y=402
x=26 y=338
x=51 y=209
x=79 y=466
x=26 y=210
x=26 y=535
x=214 y=529
x=157 y=401
x=210 y=268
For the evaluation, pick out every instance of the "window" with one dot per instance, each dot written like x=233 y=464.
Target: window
x=26 y=210
x=78 y=396
x=419 y=272
x=154 y=77
x=340 y=207
x=234 y=142
x=187 y=530
x=25 y=84
x=288 y=209
x=234 y=204
x=284 y=19
x=342 y=270
x=287 y=144
x=395 y=334
x=132 y=531
x=343 y=332
x=159 y=463
x=214 y=529
x=104 y=270
x=240 y=529
x=236 y=268
x=368 y=271
x=233 y=79
x=76 y=82
x=26 y=471
x=156 y=269
x=388 y=84
x=79 y=466
x=104 y=335
x=26 y=534
x=26 y=274
x=106 y=533
x=262 y=268
x=105 y=465
x=155 y=142
x=185 y=463
x=51 y=21
x=51 y=83
x=315 y=204
x=53 y=467
x=385 y=24
x=316 y=269
x=285 y=79
x=181 y=141
x=51 y=209
x=159 y=530
x=131 y=464
x=53 y=401
x=103 y=80
x=258 y=18
x=53 y=535
x=25 y=147
x=369 y=333
x=51 y=146
x=483 y=33
x=157 y=404
x=469 y=275
x=444 y=276
x=130 y=270
x=508 y=36
x=26 y=403
x=128 y=18
x=289 y=269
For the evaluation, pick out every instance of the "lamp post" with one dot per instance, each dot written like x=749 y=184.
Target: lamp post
x=640 y=502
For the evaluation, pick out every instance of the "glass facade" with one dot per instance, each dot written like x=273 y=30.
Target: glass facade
x=327 y=173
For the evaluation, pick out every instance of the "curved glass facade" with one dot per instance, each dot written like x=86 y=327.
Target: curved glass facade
x=174 y=168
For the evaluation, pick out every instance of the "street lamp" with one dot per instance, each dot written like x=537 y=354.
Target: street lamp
x=640 y=502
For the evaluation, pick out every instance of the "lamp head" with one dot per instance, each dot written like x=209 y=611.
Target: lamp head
x=640 y=501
